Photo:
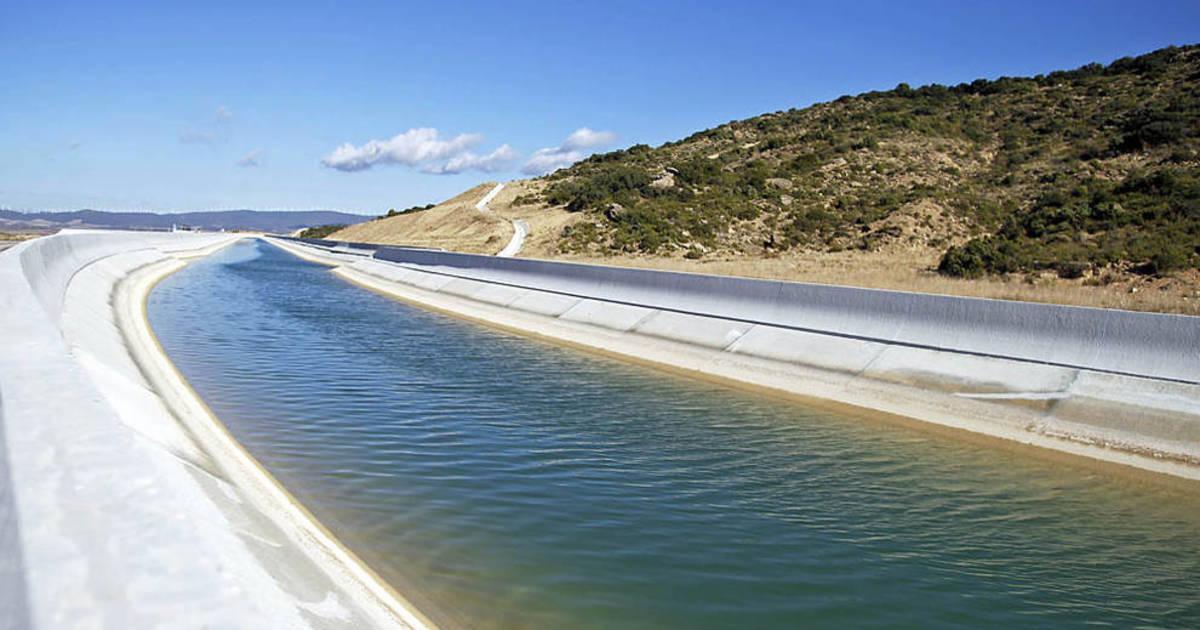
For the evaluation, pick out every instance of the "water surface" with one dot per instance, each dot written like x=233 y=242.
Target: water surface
x=502 y=482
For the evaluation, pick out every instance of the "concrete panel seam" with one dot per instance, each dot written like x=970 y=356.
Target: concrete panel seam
x=891 y=340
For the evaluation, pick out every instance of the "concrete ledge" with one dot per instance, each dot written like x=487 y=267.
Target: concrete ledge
x=1124 y=342
x=123 y=502
x=1117 y=386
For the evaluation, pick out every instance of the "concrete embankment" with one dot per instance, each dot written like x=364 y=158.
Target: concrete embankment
x=123 y=502
x=1117 y=386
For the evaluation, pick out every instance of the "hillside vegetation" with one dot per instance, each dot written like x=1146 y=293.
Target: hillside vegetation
x=1077 y=187
x=321 y=231
x=1075 y=172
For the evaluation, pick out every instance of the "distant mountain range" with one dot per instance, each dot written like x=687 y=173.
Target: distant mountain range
x=258 y=220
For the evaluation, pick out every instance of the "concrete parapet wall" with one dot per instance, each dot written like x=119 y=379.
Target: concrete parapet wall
x=1126 y=342
x=48 y=264
x=122 y=504
x=1114 y=385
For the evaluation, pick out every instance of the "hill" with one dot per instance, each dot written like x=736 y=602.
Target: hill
x=252 y=220
x=1093 y=166
x=1053 y=187
x=454 y=224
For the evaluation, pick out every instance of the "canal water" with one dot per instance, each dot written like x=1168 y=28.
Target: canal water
x=503 y=482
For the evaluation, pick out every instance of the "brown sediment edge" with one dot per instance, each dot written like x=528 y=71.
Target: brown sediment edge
x=131 y=296
x=1029 y=441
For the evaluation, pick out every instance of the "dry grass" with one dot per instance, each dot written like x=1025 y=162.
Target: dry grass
x=17 y=237
x=454 y=224
x=8 y=239
x=545 y=224
x=913 y=271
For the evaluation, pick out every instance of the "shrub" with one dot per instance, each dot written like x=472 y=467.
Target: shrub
x=806 y=162
x=1145 y=129
x=321 y=231
x=699 y=171
x=1071 y=270
x=972 y=260
x=393 y=212
x=1169 y=259
x=597 y=188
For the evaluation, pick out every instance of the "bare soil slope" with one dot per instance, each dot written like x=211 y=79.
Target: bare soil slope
x=454 y=224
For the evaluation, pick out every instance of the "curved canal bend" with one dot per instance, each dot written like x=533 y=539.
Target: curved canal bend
x=502 y=482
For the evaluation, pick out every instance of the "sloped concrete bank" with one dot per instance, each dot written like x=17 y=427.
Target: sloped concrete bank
x=1117 y=386
x=123 y=502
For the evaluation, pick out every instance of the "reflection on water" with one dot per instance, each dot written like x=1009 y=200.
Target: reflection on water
x=502 y=482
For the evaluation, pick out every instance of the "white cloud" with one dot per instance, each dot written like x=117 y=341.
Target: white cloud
x=422 y=148
x=411 y=148
x=497 y=160
x=546 y=160
x=251 y=159
x=223 y=113
x=584 y=138
x=581 y=143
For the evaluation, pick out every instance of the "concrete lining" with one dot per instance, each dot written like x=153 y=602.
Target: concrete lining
x=129 y=504
x=520 y=231
x=1111 y=385
x=1123 y=342
x=482 y=204
x=14 y=597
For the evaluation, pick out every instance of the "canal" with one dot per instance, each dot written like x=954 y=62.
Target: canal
x=498 y=481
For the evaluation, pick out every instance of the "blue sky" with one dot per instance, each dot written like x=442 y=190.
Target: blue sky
x=151 y=106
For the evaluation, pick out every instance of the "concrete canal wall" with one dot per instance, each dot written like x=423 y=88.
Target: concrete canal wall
x=123 y=502
x=1112 y=385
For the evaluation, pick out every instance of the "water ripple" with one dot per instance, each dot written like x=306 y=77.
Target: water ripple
x=503 y=482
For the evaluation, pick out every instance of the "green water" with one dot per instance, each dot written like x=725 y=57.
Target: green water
x=501 y=482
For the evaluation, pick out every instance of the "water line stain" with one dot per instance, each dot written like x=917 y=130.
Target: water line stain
x=502 y=482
